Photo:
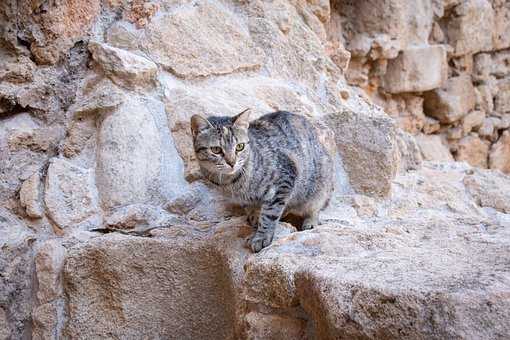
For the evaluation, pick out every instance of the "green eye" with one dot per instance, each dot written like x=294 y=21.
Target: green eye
x=216 y=150
x=240 y=147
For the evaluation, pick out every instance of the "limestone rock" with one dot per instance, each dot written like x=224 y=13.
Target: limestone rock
x=261 y=326
x=417 y=69
x=473 y=150
x=16 y=263
x=501 y=37
x=470 y=29
x=189 y=42
x=136 y=161
x=499 y=157
x=368 y=148
x=30 y=196
x=472 y=120
x=122 y=67
x=433 y=149
x=51 y=30
x=140 y=217
x=451 y=102
x=502 y=99
x=134 y=287
x=70 y=195
x=49 y=262
x=488 y=188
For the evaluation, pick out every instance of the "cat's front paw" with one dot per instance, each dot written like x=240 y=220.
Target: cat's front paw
x=260 y=240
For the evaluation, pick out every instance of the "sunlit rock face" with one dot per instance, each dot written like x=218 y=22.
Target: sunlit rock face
x=107 y=228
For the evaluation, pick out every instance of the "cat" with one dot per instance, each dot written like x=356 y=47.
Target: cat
x=276 y=164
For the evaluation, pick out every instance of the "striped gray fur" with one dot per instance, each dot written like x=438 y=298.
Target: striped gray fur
x=283 y=167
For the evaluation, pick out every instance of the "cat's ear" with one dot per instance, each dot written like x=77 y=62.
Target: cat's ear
x=198 y=124
x=242 y=120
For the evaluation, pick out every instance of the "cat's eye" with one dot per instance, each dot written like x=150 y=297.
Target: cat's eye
x=216 y=150
x=240 y=147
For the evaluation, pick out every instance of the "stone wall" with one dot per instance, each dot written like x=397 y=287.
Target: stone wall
x=107 y=229
x=440 y=68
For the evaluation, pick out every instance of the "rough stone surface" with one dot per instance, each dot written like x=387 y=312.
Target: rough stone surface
x=133 y=155
x=451 y=102
x=108 y=231
x=189 y=42
x=433 y=149
x=369 y=152
x=132 y=287
x=16 y=287
x=417 y=69
x=499 y=157
x=122 y=67
x=70 y=195
x=30 y=196
x=470 y=29
x=473 y=150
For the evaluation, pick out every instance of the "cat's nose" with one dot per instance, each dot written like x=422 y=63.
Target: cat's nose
x=230 y=160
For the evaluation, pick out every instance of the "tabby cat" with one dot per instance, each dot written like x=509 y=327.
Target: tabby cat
x=272 y=166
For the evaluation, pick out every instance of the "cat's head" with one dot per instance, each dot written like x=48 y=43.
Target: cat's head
x=221 y=143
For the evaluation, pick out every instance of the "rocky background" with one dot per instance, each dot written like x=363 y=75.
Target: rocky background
x=440 y=68
x=107 y=231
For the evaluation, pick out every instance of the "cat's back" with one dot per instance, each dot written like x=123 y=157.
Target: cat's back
x=280 y=126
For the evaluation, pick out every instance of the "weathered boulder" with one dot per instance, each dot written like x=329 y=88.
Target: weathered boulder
x=470 y=28
x=50 y=30
x=30 y=196
x=190 y=42
x=472 y=120
x=473 y=150
x=137 y=162
x=433 y=149
x=452 y=101
x=417 y=69
x=16 y=267
x=133 y=287
x=48 y=314
x=502 y=98
x=368 y=147
x=71 y=196
x=122 y=67
x=499 y=156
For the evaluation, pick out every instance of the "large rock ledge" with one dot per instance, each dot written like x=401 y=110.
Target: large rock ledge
x=434 y=266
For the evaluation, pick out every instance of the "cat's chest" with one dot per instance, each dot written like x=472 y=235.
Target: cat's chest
x=240 y=194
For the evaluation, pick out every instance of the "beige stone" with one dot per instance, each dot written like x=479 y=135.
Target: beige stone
x=70 y=195
x=417 y=69
x=486 y=130
x=502 y=98
x=136 y=159
x=122 y=67
x=472 y=120
x=470 y=28
x=488 y=189
x=433 y=149
x=484 y=99
x=135 y=287
x=451 y=102
x=499 y=157
x=500 y=33
x=189 y=42
x=370 y=162
x=473 y=150
x=261 y=326
x=49 y=261
x=30 y=196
